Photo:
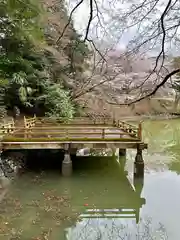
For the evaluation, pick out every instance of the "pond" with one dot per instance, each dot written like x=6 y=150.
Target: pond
x=101 y=200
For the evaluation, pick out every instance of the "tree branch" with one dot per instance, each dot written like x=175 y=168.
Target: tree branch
x=90 y=20
x=69 y=21
x=153 y=92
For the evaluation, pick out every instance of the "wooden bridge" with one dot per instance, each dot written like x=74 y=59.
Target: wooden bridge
x=37 y=133
x=44 y=133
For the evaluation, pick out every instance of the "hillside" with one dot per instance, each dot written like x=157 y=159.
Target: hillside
x=39 y=65
x=52 y=71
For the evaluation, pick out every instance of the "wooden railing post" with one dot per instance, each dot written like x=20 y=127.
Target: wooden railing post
x=3 y=130
x=114 y=122
x=118 y=123
x=25 y=128
x=34 y=120
x=67 y=133
x=29 y=123
x=103 y=133
x=24 y=121
x=140 y=131
x=12 y=126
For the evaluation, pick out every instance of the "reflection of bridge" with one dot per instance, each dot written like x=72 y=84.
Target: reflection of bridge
x=109 y=213
x=36 y=133
x=110 y=196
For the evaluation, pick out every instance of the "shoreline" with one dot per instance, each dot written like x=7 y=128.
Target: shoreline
x=150 y=117
x=134 y=118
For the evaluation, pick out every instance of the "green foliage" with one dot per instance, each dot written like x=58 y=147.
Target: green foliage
x=29 y=76
x=79 y=109
x=3 y=83
x=20 y=20
x=77 y=51
x=58 y=101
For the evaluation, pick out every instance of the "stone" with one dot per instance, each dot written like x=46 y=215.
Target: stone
x=67 y=165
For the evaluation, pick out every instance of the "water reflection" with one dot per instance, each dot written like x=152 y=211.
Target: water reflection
x=97 y=195
x=164 y=144
x=114 y=229
x=43 y=204
x=97 y=202
x=111 y=201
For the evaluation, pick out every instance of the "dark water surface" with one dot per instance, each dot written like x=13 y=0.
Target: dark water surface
x=101 y=201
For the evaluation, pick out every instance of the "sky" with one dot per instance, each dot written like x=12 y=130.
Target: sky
x=81 y=16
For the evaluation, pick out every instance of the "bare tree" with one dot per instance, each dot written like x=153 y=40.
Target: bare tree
x=98 y=229
x=153 y=27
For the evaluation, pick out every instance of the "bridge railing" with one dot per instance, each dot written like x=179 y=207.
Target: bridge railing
x=29 y=123
x=81 y=128
x=7 y=128
x=65 y=132
x=126 y=127
x=11 y=128
x=129 y=128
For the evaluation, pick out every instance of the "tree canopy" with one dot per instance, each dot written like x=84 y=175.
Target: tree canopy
x=148 y=28
x=32 y=78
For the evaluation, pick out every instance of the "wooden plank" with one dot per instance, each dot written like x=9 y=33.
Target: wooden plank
x=60 y=145
x=70 y=127
x=102 y=133
x=79 y=131
x=14 y=139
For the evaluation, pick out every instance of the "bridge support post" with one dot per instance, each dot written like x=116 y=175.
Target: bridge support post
x=139 y=163
x=122 y=152
x=67 y=163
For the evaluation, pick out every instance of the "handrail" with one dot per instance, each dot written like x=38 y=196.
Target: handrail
x=96 y=120
x=117 y=129
x=29 y=123
x=85 y=133
x=16 y=140
x=8 y=127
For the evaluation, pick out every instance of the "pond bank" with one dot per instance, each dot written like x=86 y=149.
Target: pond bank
x=150 y=117
x=4 y=184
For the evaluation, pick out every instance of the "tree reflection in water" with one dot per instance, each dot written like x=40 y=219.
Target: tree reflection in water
x=115 y=229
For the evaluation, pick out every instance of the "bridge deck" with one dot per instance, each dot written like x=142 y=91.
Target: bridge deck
x=81 y=130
